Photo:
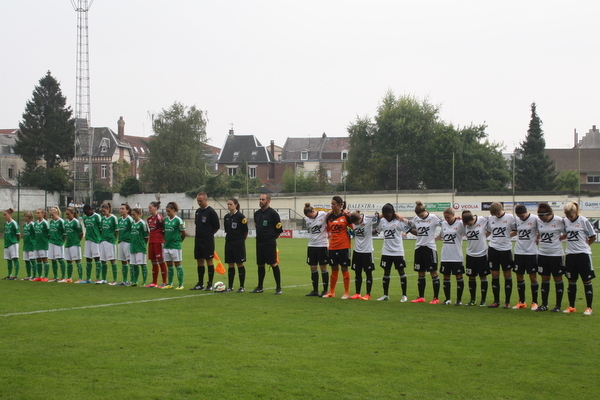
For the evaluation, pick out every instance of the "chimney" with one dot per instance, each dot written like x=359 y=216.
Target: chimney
x=272 y=169
x=575 y=138
x=231 y=131
x=121 y=130
x=121 y=135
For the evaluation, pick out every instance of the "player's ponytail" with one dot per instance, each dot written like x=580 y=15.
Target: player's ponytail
x=419 y=207
x=308 y=209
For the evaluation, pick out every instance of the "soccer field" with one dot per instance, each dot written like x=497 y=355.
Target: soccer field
x=68 y=341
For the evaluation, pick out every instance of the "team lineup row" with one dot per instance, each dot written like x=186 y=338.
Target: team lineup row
x=130 y=239
x=538 y=250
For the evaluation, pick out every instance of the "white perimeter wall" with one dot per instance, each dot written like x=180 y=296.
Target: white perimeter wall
x=26 y=199
x=435 y=202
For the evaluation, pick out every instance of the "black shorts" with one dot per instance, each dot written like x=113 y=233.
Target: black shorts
x=266 y=252
x=362 y=261
x=477 y=266
x=397 y=261
x=204 y=248
x=525 y=264
x=425 y=259
x=235 y=252
x=339 y=257
x=497 y=258
x=452 y=268
x=551 y=265
x=579 y=264
x=317 y=256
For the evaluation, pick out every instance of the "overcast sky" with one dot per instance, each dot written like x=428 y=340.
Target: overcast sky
x=278 y=69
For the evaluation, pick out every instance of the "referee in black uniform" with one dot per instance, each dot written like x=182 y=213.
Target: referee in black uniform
x=268 y=229
x=207 y=224
x=236 y=232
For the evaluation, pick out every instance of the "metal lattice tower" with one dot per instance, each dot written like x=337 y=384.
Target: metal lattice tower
x=83 y=187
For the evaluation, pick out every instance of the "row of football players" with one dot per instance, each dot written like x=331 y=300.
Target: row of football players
x=108 y=238
x=538 y=250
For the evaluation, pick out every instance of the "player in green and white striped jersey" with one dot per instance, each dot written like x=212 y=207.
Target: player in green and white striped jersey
x=40 y=246
x=139 y=241
x=93 y=223
x=110 y=232
x=174 y=230
x=74 y=233
x=28 y=246
x=123 y=248
x=12 y=235
x=56 y=243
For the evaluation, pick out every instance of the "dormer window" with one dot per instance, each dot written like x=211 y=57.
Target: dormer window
x=344 y=154
x=104 y=145
x=304 y=155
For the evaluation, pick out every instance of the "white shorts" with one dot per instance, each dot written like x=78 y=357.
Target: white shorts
x=11 y=251
x=137 y=259
x=55 y=252
x=29 y=256
x=92 y=249
x=173 y=255
x=41 y=253
x=73 y=253
x=107 y=251
x=123 y=251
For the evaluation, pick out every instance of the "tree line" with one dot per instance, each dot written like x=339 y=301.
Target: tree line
x=406 y=146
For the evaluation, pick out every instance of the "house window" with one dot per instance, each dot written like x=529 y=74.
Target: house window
x=104 y=145
x=328 y=172
x=231 y=171
x=304 y=155
x=344 y=154
x=593 y=179
x=103 y=171
x=252 y=172
x=10 y=172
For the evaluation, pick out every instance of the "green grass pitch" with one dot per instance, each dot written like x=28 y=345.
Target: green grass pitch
x=67 y=341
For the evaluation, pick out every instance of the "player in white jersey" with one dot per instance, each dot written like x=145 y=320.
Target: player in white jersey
x=392 y=252
x=317 y=255
x=550 y=255
x=452 y=258
x=362 y=256
x=500 y=226
x=423 y=226
x=580 y=235
x=526 y=228
x=477 y=265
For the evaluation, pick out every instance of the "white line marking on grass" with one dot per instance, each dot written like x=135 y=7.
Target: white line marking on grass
x=136 y=302
x=105 y=305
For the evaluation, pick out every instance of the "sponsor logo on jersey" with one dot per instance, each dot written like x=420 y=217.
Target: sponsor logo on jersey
x=546 y=237
x=525 y=234
x=423 y=231
x=450 y=238
x=472 y=235
x=573 y=236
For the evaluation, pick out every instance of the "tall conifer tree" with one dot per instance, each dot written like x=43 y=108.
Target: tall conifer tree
x=47 y=129
x=535 y=171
